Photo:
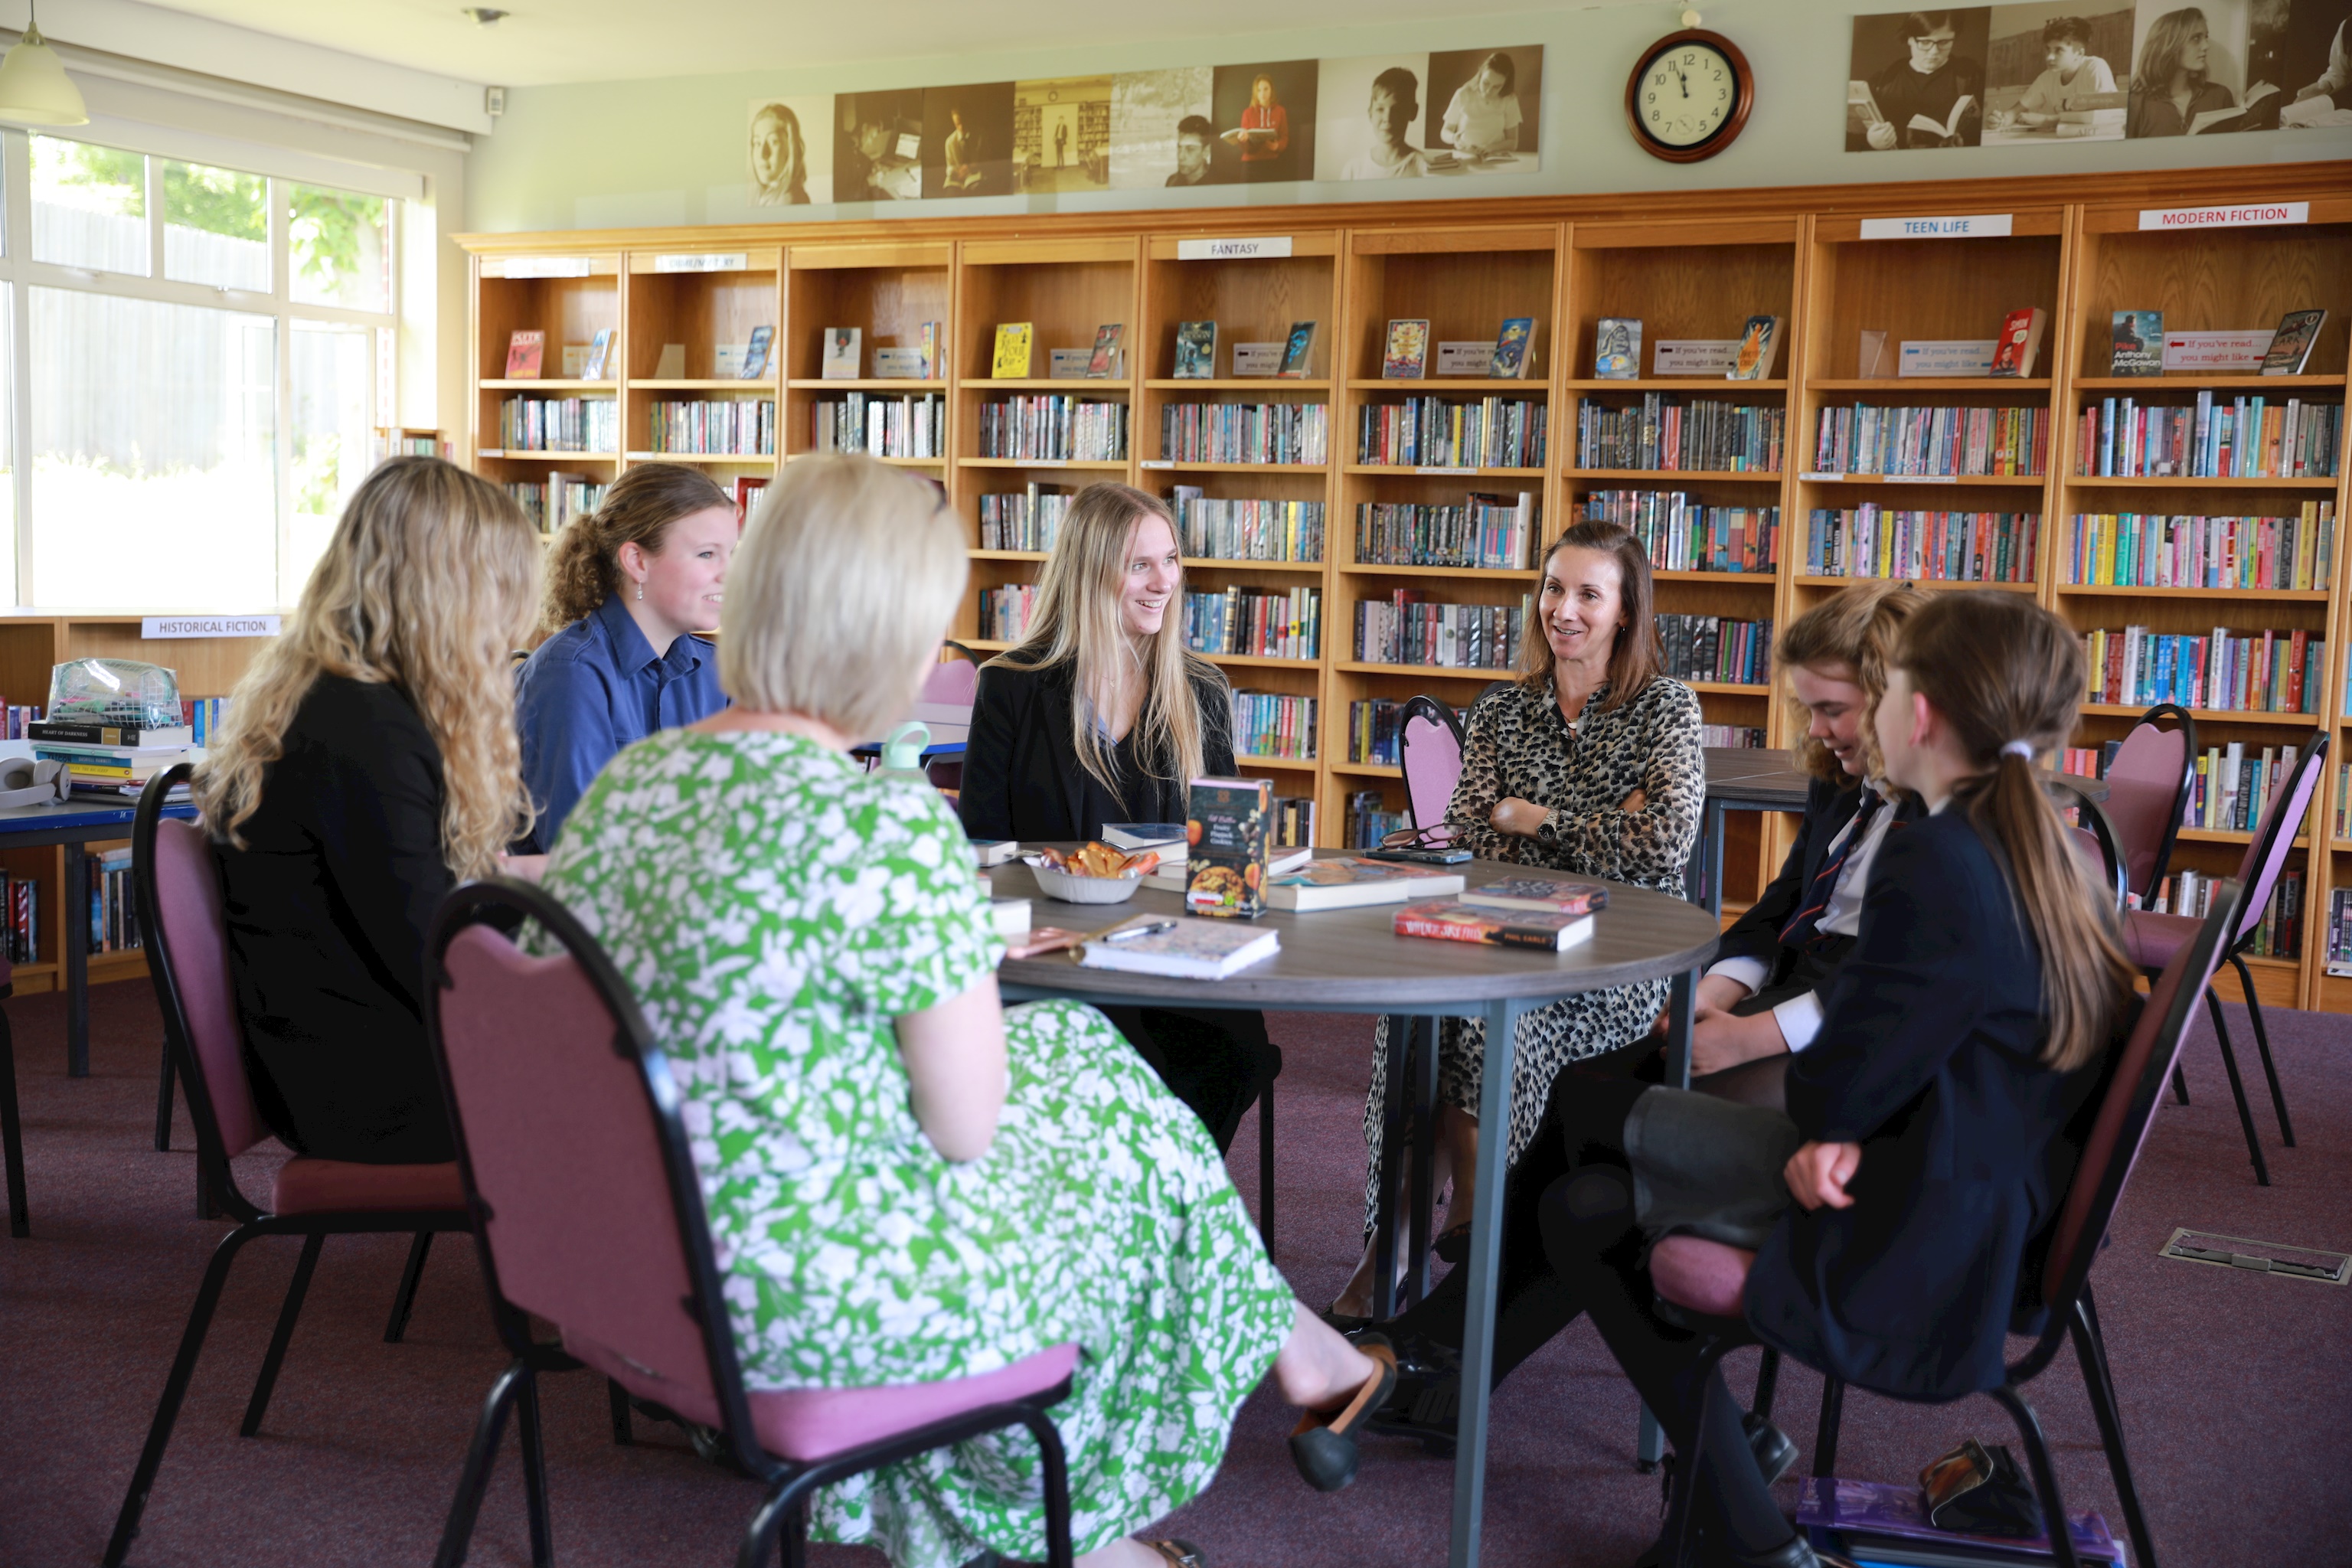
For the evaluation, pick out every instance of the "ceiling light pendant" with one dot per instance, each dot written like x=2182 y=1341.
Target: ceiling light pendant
x=34 y=86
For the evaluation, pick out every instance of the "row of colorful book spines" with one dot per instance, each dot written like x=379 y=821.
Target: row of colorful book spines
x=2343 y=803
x=1741 y=439
x=1724 y=539
x=2298 y=441
x=1252 y=530
x=2089 y=762
x=2161 y=549
x=1934 y=546
x=882 y=432
x=2279 y=935
x=713 y=428
x=203 y=716
x=1370 y=820
x=1734 y=737
x=1935 y=442
x=1249 y=622
x=17 y=717
x=2264 y=672
x=1004 y=610
x=1274 y=724
x=1376 y=731
x=1492 y=537
x=1452 y=636
x=555 y=502
x=1094 y=432
x=570 y=425
x=113 y=910
x=2230 y=788
x=1292 y=826
x=22 y=904
x=1433 y=433
x=1711 y=648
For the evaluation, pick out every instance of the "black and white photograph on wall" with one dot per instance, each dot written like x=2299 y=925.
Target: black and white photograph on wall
x=878 y=147
x=2055 y=71
x=2188 y=68
x=1160 y=132
x=791 y=150
x=1917 y=80
x=1370 y=118
x=1482 y=109
x=968 y=139
x=1264 y=116
x=2298 y=64
x=1061 y=134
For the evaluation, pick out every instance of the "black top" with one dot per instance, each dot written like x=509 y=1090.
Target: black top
x=327 y=910
x=1022 y=776
x=1757 y=933
x=1929 y=1057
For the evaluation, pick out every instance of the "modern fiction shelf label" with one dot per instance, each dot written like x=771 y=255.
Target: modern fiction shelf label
x=1233 y=249
x=154 y=626
x=717 y=262
x=1977 y=226
x=2260 y=215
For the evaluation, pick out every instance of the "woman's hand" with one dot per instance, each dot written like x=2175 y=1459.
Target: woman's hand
x=1716 y=994
x=1818 y=1172
x=1637 y=801
x=528 y=868
x=1520 y=818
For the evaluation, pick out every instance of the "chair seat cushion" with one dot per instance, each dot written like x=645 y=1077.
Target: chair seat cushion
x=1701 y=1276
x=2151 y=939
x=307 y=1185
x=809 y=1423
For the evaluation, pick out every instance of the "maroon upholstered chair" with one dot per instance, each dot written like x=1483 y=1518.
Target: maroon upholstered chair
x=575 y=1160
x=2094 y=841
x=1706 y=1280
x=2152 y=938
x=12 y=1132
x=186 y=942
x=2149 y=786
x=953 y=680
x=1430 y=744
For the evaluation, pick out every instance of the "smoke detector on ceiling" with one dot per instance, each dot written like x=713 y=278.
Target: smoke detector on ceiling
x=484 y=15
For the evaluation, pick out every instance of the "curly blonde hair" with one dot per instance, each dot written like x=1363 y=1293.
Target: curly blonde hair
x=427 y=584
x=1855 y=628
x=584 y=569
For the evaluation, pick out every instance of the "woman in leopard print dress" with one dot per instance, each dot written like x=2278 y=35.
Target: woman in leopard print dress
x=1613 y=792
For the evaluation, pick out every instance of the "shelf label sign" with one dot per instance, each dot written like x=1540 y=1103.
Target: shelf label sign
x=543 y=266
x=2260 y=215
x=159 y=627
x=1978 y=226
x=1233 y=249
x=717 y=262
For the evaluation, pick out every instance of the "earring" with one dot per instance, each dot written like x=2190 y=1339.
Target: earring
x=641 y=592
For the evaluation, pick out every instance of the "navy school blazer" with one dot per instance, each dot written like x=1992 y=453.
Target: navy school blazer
x=1928 y=1057
x=1757 y=933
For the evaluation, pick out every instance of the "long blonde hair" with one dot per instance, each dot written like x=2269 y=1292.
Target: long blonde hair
x=2000 y=668
x=428 y=583
x=1856 y=627
x=1078 y=623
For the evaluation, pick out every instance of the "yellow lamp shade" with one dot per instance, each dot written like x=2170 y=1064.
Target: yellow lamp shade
x=34 y=86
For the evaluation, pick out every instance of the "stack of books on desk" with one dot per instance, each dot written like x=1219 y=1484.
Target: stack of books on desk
x=112 y=761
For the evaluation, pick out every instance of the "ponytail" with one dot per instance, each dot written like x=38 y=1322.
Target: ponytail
x=583 y=567
x=2006 y=674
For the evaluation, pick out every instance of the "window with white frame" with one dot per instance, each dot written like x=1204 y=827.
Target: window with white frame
x=198 y=375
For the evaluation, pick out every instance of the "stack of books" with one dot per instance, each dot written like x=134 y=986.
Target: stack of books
x=112 y=761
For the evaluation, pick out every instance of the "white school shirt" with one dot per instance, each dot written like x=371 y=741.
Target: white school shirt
x=1799 y=1016
x=1478 y=120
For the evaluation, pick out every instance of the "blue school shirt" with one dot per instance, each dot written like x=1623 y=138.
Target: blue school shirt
x=594 y=687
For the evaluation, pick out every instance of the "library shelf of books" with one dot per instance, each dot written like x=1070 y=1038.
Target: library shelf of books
x=1354 y=539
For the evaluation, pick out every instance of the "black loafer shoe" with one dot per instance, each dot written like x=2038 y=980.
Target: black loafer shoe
x=1323 y=1445
x=1773 y=1450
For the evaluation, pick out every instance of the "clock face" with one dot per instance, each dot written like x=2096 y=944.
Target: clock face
x=1686 y=93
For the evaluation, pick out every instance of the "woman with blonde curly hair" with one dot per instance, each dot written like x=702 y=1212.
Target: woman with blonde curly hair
x=368 y=763
x=628 y=586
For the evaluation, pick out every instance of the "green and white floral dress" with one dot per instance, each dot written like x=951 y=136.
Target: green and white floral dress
x=774 y=908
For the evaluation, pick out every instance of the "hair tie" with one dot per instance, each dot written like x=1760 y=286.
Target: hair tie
x=2019 y=749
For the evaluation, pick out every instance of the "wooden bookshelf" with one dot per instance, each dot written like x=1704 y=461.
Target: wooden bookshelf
x=1566 y=261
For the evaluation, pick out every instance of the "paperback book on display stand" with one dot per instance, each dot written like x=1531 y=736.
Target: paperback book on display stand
x=1299 y=353
x=755 y=354
x=1226 y=830
x=1495 y=927
x=1012 y=358
x=1514 y=347
x=1196 y=351
x=1617 y=348
x=600 y=352
x=2290 y=345
x=842 y=354
x=524 y=352
x=1189 y=949
x=2020 y=343
x=1346 y=882
x=1759 y=349
x=2139 y=343
x=1405 y=354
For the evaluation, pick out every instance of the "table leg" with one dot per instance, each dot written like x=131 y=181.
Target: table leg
x=1714 y=815
x=75 y=906
x=1425 y=1149
x=1650 y=1439
x=1394 y=1158
x=1485 y=1265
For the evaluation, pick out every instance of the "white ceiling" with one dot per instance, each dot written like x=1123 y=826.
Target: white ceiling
x=546 y=41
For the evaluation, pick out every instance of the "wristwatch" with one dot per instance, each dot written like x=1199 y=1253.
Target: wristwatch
x=1547 y=830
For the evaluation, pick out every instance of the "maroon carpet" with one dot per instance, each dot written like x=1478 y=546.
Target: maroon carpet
x=2233 y=1383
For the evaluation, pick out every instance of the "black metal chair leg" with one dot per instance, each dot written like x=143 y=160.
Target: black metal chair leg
x=624 y=1434
x=2179 y=1084
x=1389 y=1221
x=403 y=1301
x=1269 y=1070
x=1054 y=1468
x=164 y=1104
x=2045 y=1478
x=12 y=1133
x=785 y=1495
x=458 y=1533
x=791 y=1546
x=1768 y=1383
x=1421 y=1060
x=534 y=1473
x=2237 y=1088
x=2263 y=1045
x=2091 y=1353
x=1825 y=1436
x=282 y=1336
x=176 y=1389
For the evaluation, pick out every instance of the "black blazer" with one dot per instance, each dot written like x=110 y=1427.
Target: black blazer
x=1021 y=778
x=1757 y=933
x=327 y=907
x=1928 y=1057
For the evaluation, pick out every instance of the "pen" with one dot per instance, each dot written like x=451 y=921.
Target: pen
x=1129 y=934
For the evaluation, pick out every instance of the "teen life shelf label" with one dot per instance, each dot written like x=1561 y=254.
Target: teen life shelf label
x=1977 y=225
x=2256 y=215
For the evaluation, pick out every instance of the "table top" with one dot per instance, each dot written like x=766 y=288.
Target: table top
x=1757 y=776
x=1353 y=961
x=949 y=722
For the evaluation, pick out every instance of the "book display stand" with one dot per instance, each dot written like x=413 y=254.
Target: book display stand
x=1927 y=486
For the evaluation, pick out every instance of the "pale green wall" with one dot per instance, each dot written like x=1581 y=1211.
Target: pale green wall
x=672 y=150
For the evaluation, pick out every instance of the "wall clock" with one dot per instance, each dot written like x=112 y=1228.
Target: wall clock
x=1689 y=97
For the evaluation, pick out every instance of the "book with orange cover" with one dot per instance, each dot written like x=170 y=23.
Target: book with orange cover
x=2020 y=343
x=1498 y=928
x=524 y=352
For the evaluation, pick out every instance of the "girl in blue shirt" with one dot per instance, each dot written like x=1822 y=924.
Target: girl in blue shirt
x=628 y=585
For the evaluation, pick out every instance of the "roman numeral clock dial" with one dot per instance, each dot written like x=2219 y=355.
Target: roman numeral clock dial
x=1689 y=95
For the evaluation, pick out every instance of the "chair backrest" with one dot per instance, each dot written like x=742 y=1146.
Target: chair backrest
x=2134 y=1086
x=576 y=1166
x=951 y=680
x=1429 y=742
x=2149 y=785
x=2096 y=860
x=2266 y=856
x=185 y=935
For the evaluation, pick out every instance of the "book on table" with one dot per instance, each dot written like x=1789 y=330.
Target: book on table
x=993 y=851
x=1011 y=917
x=1227 y=826
x=1495 y=927
x=1167 y=837
x=1543 y=895
x=1190 y=949
x=1346 y=882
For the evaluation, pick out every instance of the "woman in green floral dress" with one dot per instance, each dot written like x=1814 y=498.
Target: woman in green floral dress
x=906 y=1182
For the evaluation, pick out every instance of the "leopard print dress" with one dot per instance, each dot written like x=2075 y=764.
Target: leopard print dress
x=1519 y=745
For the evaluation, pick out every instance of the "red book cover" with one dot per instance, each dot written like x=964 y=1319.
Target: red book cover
x=1499 y=927
x=524 y=352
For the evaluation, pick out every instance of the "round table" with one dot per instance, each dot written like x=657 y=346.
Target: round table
x=1351 y=961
